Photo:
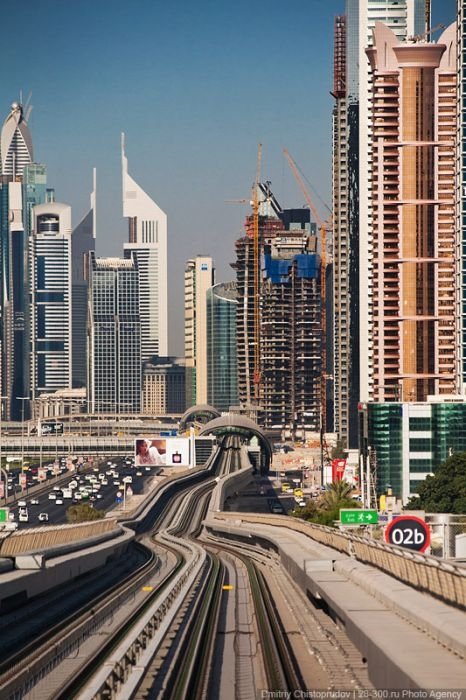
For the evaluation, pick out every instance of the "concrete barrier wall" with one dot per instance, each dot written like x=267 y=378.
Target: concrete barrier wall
x=382 y=617
x=44 y=538
x=20 y=586
x=442 y=579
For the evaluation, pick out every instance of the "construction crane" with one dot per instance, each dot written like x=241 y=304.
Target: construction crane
x=324 y=226
x=255 y=204
x=424 y=35
x=256 y=260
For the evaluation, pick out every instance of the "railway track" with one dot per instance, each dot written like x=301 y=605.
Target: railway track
x=200 y=620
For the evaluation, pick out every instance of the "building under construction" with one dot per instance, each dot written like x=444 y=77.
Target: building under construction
x=285 y=394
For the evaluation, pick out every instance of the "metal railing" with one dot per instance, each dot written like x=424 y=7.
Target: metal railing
x=443 y=579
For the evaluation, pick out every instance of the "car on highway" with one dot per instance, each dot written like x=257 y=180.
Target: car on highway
x=43 y=517
x=34 y=501
x=59 y=501
x=138 y=473
x=52 y=496
x=22 y=504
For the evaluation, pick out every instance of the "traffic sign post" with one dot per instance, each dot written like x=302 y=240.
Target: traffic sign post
x=410 y=532
x=358 y=516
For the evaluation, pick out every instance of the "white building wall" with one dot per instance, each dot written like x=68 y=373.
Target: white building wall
x=150 y=249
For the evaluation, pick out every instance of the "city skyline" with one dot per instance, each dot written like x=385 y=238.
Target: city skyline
x=195 y=88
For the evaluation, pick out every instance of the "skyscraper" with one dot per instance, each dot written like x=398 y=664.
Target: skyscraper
x=15 y=156
x=50 y=288
x=413 y=117
x=16 y=142
x=34 y=191
x=198 y=278
x=222 y=366
x=148 y=245
x=461 y=195
x=249 y=387
x=291 y=332
x=82 y=242
x=114 y=336
x=286 y=395
x=353 y=132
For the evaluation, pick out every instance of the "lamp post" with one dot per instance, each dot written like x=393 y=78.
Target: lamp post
x=5 y=492
x=22 y=399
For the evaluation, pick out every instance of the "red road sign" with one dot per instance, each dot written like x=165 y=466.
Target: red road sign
x=408 y=531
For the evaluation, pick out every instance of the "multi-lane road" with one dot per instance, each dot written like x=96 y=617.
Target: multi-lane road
x=109 y=494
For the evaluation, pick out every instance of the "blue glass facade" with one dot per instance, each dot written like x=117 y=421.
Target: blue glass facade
x=222 y=381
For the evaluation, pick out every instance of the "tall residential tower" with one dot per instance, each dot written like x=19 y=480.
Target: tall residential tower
x=354 y=243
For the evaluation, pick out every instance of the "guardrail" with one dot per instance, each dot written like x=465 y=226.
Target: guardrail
x=439 y=578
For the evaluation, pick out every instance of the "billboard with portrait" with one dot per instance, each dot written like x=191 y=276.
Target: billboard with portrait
x=157 y=451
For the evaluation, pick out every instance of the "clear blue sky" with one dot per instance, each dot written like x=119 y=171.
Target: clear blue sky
x=195 y=86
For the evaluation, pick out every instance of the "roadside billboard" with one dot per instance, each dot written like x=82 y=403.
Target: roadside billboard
x=51 y=428
x=156 y=451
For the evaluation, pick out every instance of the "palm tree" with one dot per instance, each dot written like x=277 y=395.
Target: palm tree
x=337 y=492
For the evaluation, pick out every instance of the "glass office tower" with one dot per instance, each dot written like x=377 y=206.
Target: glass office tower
x=114 y=336
x=222 y=380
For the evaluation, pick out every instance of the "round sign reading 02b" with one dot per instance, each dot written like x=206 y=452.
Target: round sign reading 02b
x=408 y=531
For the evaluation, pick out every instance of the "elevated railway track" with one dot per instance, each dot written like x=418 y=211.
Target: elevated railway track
x=208 y=611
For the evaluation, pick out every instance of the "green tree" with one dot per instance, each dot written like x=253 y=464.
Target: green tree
x=339 y=451
x=326 y=509
x=336 y=492
x=445 y=491
x=82 y=513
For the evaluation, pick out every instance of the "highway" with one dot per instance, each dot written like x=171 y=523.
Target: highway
x=103 y=499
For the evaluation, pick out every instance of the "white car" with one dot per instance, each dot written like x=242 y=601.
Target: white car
x=43 y=517
x=59 y=502
x=128 y=480
x=34 y=501
x=78 y=496
x=52 y=496
x=138 y=473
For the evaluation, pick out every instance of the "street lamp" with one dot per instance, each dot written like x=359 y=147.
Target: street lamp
x=22 y=399
x=5 y=492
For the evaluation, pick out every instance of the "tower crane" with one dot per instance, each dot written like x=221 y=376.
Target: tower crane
x=324 y=226
x=256 y=260
x=422 y=37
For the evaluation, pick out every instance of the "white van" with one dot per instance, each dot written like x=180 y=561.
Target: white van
x=67 y=493
x=23 y=516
